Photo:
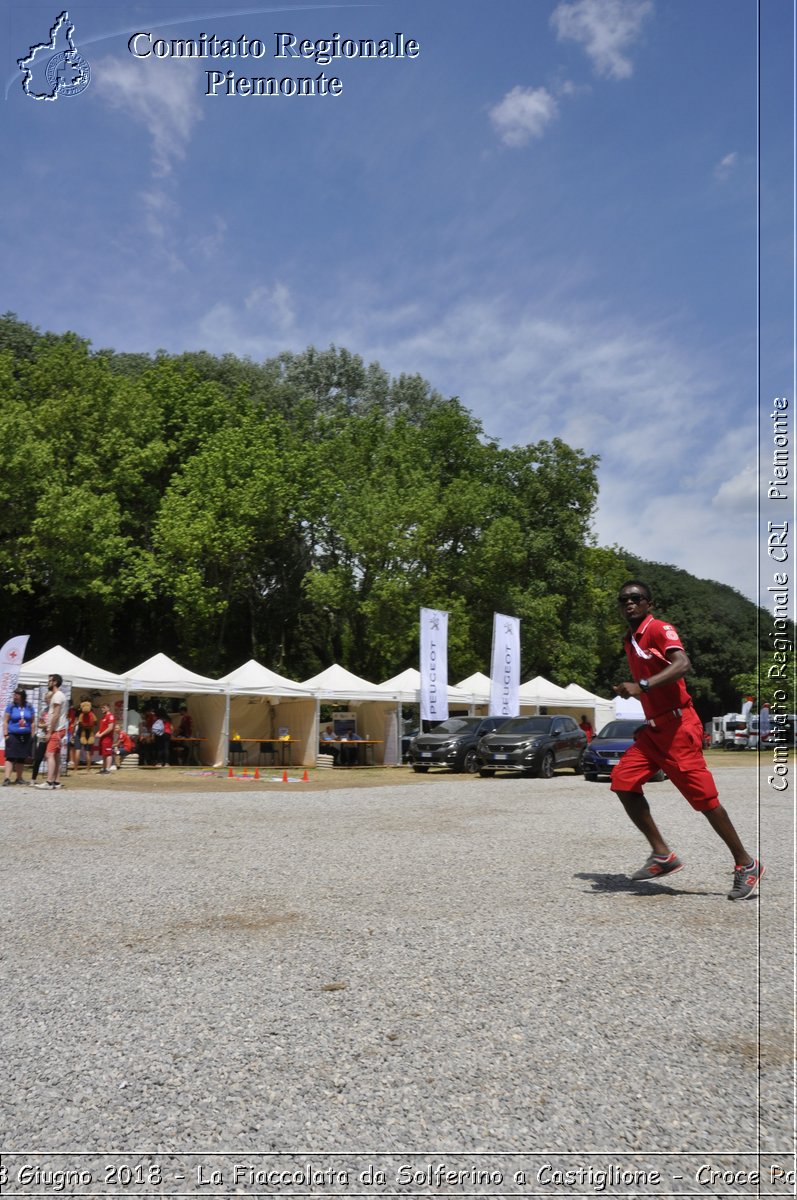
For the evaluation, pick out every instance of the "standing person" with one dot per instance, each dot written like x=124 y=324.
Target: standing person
x=105 y=735
x=183 y=735
x=18 y=721
x=587 y=727
x=41 y=738
x=56 y=730
x=670 y=741
x=85 y=724
x=764 y=723
x=72 y=739
x=162 y=738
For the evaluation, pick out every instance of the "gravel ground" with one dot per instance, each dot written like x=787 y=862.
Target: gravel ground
x=439 y=963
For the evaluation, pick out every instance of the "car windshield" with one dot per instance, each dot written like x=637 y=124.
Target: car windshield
x=620 y=729
x=526 y=725
x=456 y=725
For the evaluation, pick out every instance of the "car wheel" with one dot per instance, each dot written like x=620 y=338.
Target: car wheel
x=486 y=772
x=469 y=763
x=590 y=777
x=578 y=765
x=547 y=765
x=421 y=770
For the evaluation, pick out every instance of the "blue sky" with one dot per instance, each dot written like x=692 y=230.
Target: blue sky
x=550 y=212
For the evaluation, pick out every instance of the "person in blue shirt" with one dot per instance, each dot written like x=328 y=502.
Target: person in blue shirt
x=18 y=724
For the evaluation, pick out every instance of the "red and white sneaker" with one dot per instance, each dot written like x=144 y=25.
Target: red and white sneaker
x=745 y=880
x=658 y=865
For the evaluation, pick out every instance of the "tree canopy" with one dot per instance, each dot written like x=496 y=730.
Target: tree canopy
x=300 y=511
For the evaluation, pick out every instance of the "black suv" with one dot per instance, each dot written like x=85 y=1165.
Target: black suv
x=533 y=746
x=451 y=744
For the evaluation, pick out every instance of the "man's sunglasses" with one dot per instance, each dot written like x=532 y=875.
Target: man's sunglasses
x=631 y=597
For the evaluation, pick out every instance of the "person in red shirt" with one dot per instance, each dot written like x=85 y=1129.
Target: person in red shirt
x=105 y=735
x=671 y=741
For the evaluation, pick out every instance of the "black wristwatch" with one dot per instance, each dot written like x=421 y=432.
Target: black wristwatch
x=644 y=685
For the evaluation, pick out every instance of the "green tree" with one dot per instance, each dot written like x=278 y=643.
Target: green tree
x=226 y=543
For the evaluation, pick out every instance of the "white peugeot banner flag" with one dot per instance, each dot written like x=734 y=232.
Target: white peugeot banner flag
x=11 y=657
x=505 y=672
x=434 y=665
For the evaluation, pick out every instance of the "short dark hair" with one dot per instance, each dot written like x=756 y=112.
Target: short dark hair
x=638 y=583
x=57 y=678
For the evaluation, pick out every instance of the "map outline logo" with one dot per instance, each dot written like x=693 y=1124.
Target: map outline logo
x=67 y=72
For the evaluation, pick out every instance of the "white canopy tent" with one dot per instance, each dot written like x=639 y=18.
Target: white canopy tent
x=82 y=678
x=261 y=703
x=406 y=687
x=77 y=671
x=542 y=693
x=601 y=708
x=629 y=709
x=539 y=693
x=535 y=694
x=161 y=676
x=478 y=685
x=377 y=718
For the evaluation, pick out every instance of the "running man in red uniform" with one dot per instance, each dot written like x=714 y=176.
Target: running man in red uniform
x=670 y=741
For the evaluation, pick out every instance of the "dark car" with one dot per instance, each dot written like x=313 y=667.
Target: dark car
x=451 y=744
x=532 y=745
x=607 y=748
x=406 y=742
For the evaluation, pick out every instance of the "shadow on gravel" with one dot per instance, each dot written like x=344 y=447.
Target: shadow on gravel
x=637 y=887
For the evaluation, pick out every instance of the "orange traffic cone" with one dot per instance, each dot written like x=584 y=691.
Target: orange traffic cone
x=230 y=774
x=257 y=773
x=285 y=776
x=305 y=777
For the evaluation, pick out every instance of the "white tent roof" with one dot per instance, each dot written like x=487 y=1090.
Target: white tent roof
x=406 y=687
x=75 y=670
x=161 y=674
x=629 y=709
x=336 y=683
x=542 y=691
x=254 y=678
x=478 y=685
x=580 y=693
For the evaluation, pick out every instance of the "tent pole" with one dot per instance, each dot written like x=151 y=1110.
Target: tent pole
x=225 y=730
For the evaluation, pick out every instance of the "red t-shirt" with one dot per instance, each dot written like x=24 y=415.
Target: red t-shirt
x=106 y=725
x=646 y=649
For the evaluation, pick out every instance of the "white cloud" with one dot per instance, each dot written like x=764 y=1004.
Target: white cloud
x=675 y=480
x=725 y=167
x=158 y=209
x=738 y=495
x=210 y=244
x=262 y=326
x=160 y=96
x=523 y=114
x=273 y=303
x=681 y=528
x=607 y=29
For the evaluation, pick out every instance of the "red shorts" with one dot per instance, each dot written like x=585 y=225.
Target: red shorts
x=106 y=745
x=54 y=741
x=677 y=749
